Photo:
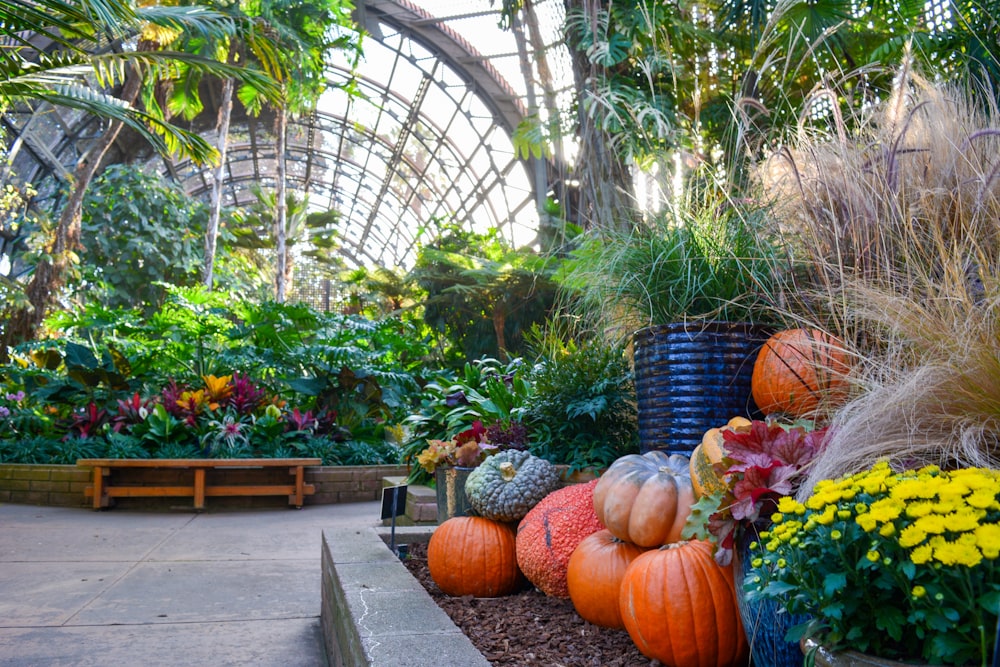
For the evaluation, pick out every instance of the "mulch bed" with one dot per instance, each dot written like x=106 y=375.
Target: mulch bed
x=530 y=628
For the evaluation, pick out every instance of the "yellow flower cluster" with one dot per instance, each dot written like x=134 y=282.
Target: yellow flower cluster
x=936 y=517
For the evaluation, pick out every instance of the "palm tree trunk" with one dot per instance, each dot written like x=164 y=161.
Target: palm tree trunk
x=281 y=215
x=212 y=232
x=49 y=275
x=606 y=193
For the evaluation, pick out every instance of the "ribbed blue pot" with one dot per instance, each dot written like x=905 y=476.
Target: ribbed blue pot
x=764 y=621
x=693 y=377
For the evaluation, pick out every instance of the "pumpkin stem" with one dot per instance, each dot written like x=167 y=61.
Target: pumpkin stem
x=507 y=471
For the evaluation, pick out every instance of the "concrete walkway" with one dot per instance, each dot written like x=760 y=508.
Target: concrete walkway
x=151 y=589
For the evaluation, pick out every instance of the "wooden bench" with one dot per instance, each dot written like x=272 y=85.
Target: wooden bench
x=103 y=490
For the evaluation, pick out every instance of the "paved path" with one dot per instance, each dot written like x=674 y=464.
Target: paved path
x=174 y=589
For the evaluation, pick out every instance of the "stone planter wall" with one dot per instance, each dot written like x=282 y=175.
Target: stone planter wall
x=63 y=485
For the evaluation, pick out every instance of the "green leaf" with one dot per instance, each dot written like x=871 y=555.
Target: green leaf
x=79 y=356
x=833 y=583
x=696 y=525
x=310 y=386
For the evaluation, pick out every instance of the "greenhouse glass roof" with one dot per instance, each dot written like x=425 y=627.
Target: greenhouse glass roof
x=429 y=138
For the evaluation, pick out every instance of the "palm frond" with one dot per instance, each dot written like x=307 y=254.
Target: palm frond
x=199 y=22
x=163 y=136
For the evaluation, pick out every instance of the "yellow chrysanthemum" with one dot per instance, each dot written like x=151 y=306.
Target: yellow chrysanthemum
x=917 y=510
x=873 y=485
x=911 y=536
x=918 y=592
x=827 y=516
x=954 y=553
x=911 y=489
x=962 y=521
x=946 y=505
x=983 y=498
x=788 y=505
x=922 y=554
x=988 y=540
x=932 y=524
x=886 y=509
x=887 y=530
x=867 y=522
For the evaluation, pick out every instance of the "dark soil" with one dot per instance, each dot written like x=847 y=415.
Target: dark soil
x=530 y=628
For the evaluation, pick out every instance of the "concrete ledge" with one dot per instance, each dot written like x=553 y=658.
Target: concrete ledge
x=376 y=614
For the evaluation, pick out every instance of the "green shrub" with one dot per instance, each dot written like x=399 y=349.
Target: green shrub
x=582 y=411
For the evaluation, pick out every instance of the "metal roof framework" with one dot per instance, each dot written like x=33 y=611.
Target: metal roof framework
x=428 y=139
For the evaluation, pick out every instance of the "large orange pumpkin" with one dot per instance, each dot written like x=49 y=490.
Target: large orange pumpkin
x=679 y=607
x=551 y=531
x=705 y=480
x=797 y=370
x=594 y=577
x=645 y=499
x=470 y=555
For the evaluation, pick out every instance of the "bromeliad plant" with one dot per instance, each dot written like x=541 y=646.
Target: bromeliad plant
x=493 y=395
x=897 y=564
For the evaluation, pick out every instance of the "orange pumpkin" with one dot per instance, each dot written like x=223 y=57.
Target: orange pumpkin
x=679 y=607
x=594 y=577
x=551 y=531
x=798 y=369
x=704 y=479
x=645 y=499
x=470 y=555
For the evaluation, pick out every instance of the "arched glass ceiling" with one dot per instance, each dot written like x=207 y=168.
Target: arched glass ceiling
x=428 y=139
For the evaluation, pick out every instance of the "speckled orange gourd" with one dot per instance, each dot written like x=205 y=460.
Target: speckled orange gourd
x=551 y=531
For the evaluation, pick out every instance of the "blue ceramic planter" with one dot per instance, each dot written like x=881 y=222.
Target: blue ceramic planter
x=765 y=621
x=690 y=377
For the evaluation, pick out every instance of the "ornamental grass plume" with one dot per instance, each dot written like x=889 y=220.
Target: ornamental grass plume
x=899 y=565
x=897 y=224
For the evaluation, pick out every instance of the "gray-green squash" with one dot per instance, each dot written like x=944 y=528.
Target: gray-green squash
x=507 y=485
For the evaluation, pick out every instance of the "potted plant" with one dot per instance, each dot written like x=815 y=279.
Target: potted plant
x=762 y=464
x=450 y=462
x=898 y=564
x=694 y=283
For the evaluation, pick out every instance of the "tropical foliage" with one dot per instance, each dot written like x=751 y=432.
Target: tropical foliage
x=481 y=293
x=204 y=374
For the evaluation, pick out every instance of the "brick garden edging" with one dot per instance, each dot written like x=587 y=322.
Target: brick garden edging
x=63 y=485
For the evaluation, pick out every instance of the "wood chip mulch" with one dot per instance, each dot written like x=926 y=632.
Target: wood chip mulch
x=530 y=628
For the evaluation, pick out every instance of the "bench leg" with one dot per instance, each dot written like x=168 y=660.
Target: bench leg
x=296 y=500
x=199 y=488
x=101 y=499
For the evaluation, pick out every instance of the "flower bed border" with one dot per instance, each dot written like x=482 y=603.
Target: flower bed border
x=63 y=486
x=374 y=612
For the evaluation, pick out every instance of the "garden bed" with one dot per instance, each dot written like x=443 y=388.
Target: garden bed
x=529 y=628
